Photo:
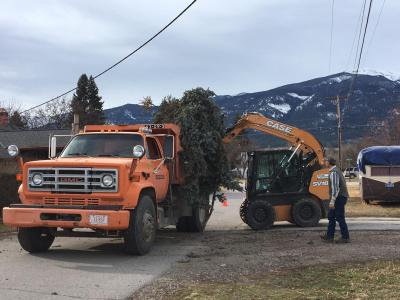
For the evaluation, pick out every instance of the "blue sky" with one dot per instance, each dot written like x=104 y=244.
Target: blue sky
x=230 y=46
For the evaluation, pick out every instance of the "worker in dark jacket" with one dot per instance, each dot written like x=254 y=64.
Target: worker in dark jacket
x=338 y=197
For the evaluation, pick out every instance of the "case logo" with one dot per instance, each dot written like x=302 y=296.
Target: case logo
x=279 y=126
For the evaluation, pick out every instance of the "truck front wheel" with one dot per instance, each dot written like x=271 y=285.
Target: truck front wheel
x=141 y=233
x=36 y=239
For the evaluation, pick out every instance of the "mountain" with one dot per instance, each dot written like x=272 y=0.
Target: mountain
x=129 y=114
x=307 y=104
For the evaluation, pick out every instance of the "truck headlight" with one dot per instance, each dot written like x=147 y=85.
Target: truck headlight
x=37 y=179
x=13 y=150
x=107 y=180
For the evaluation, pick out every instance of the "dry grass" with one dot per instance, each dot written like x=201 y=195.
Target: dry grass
x=355 y=208
x=374 y=280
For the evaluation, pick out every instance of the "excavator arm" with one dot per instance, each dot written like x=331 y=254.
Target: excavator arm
x=300 y=139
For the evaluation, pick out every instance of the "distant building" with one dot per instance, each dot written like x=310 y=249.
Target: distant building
x=33 y=144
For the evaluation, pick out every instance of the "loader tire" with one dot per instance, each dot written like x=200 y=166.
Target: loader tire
x=35 y=240
x=140 y=235
x=243 y=210
x=260 y=215
x=306 y=213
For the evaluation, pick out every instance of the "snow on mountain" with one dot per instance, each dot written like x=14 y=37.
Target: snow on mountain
x=283 y=108
x=298 y=96
x=337 y=79
x=389 y=75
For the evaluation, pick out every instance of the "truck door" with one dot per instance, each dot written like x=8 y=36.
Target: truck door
x=159 y=175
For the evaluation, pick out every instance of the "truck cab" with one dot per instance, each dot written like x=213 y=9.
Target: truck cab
x=108 y=181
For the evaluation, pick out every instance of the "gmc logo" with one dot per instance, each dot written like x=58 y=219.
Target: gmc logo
x=70 y=179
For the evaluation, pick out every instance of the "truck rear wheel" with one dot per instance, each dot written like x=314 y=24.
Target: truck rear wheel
x=141 y=233
x=306 y=213
x=198 y=222
x=260 y=215
x=36 y=239
x=195 y=223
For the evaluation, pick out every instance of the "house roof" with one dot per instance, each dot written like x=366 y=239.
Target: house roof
x=30 y=139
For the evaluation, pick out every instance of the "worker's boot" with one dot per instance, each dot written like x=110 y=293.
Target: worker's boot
x=326 y=238
x=342 y=241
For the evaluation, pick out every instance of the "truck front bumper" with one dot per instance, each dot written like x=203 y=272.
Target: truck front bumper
x=107 y=218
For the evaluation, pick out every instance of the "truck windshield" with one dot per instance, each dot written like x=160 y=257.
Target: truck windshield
x=103 y=145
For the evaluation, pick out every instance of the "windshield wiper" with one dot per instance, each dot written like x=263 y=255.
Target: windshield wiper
x=108 y=155
x=78 y=154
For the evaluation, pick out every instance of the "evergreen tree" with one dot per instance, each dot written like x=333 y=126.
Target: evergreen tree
x=167 y=110
x=87 y=103
x=95 y=114
x=202 y=129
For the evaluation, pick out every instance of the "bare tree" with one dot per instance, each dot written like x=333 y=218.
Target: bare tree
x=55 y=114
x=13 y=109
x=147 y=103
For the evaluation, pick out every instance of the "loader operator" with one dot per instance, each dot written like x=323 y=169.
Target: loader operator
x=338 y=198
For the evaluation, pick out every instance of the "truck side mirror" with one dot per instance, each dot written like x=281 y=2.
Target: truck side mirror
x=53 y=147
x=169 y=147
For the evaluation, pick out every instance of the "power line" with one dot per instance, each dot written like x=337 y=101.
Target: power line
x=359 y=34
x=363 y=39
x=331 y=43
x=355 y=74
x=359 y=21
x=376 y=26
x=121 y=60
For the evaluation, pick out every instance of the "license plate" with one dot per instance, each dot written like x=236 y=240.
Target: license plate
x=389 y=185
x=98 y=219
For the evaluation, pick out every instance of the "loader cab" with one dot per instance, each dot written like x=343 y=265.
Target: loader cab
x=271 y=173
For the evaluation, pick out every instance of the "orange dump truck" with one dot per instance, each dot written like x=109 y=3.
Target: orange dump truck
x=109 y=181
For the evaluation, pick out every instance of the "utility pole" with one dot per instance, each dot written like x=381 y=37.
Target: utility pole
x=75 y=124
x=339 y=129
x=339 y=125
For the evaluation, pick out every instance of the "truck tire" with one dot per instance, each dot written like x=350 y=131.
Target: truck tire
x=35 y=240
x=195 y=223
x=243 y=210
x=183 y=224
x=140 y=235
x=306 y=213
x=198 y=220
x=260 y=215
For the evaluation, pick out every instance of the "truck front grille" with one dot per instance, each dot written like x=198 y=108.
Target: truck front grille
x=70 y=201
x=72 y=180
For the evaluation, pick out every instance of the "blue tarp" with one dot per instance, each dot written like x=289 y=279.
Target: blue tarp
x=378 y=155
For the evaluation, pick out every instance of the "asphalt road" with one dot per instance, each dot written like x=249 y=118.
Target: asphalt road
x=97 y=268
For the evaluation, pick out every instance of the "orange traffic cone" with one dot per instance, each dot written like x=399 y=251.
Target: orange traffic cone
x=225 y=203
